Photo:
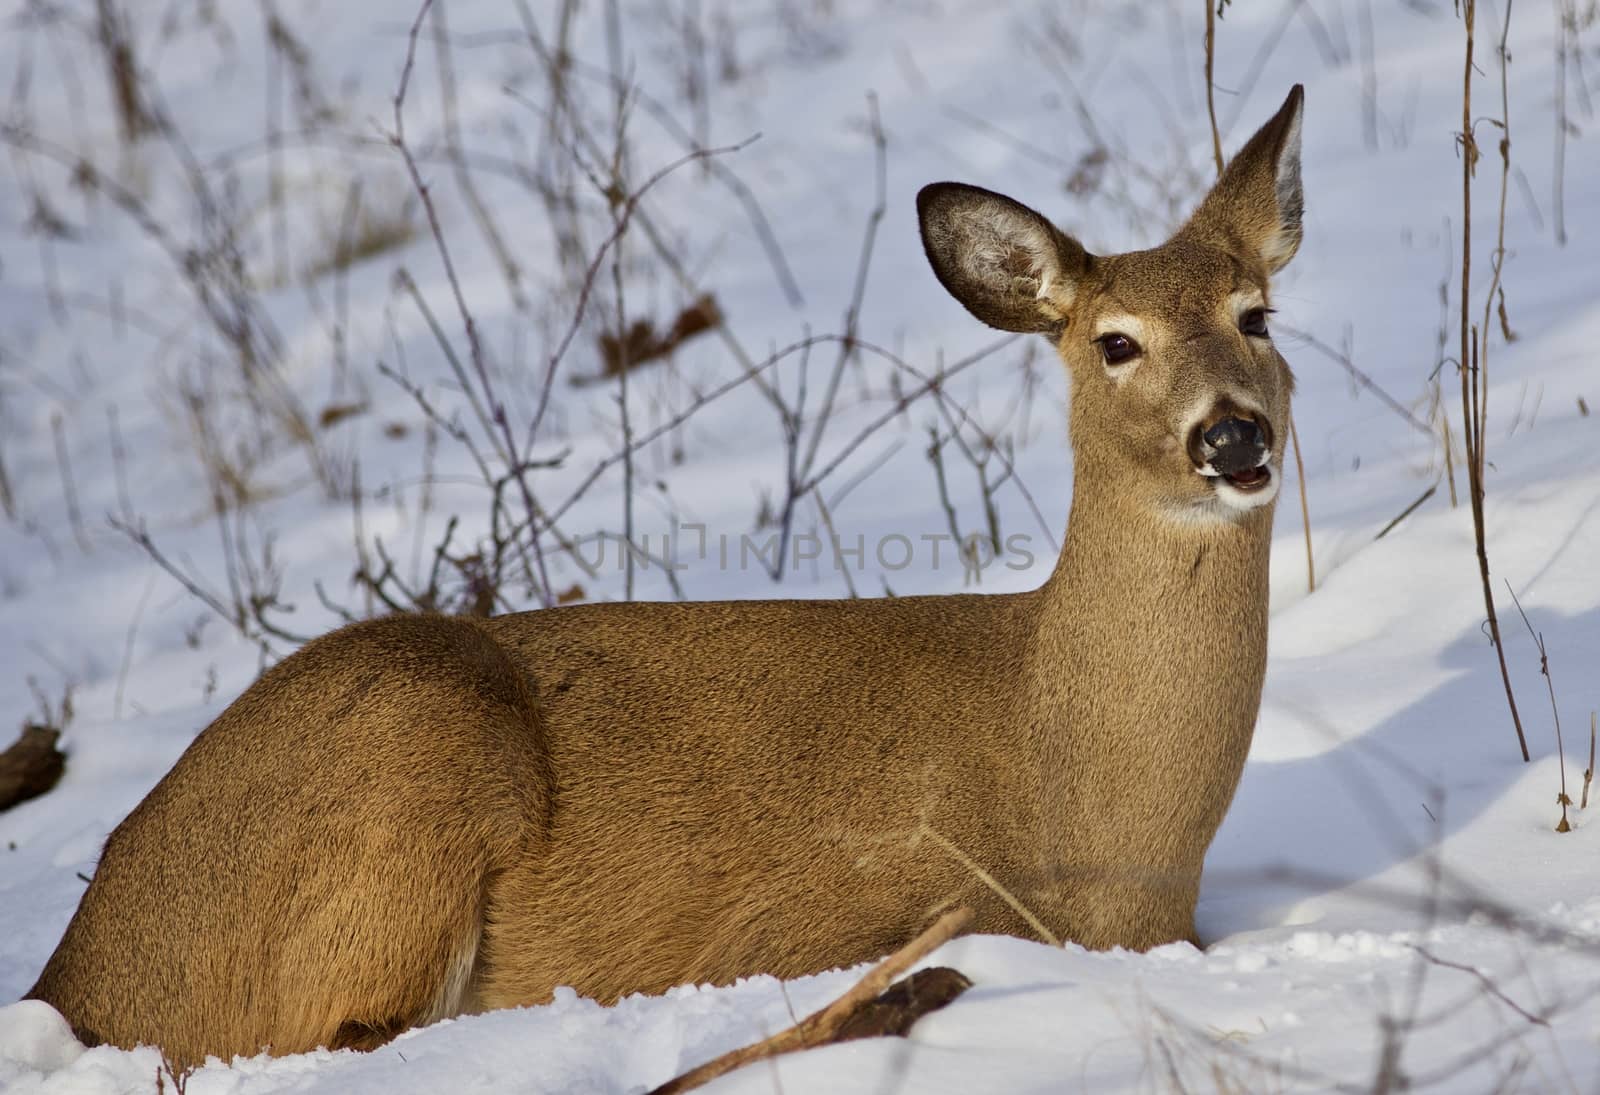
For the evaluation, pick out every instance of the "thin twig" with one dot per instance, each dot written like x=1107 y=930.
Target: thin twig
x=505 y=441
x=1471 y=423
x=935 y=454
x=838 y=555
x=241 y=615
x=127 y=648
x=718 y=170
x=906 y=399
x=1000 y=891
x=1488 y=985
x=69 y=487
x=1342 y=359
x=1258 y=63
x=1407 y=512
x=931 y=385
x=619 y=306
x=1566 y=27
x=1563 y=826
x=801 y=473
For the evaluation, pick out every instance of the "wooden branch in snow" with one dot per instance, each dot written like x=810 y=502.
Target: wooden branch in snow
x=873 y=1008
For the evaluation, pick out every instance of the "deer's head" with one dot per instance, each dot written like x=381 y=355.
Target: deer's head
x=1178 y=395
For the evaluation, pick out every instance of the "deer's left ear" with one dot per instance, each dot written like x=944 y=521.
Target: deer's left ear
x=1008 y=265
x=1255 y=208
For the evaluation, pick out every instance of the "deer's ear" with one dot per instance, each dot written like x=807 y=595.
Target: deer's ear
x=1008 y=265
x=1255 y=208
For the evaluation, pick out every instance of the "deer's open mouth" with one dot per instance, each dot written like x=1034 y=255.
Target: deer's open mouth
x=1248 y=479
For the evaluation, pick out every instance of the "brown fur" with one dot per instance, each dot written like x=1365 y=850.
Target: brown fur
x=421 y=816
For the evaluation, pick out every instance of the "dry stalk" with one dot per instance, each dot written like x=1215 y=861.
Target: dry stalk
x=1211 y=85
x=127 y=647
x=1566 y=33
x=1499 y=253
x=1562 y=826
x=1152 y=196
x=115 y=39
x=619 y=306
x=989 y=444
x=1305 y=510
x=1455 y=897
x=275 y=173
x=1436 y=407
x=8 y=500
x=1369 y=78
x=969 y=548
x=1588 y=773
x=178 y=1074
x=1472 y=423
x=821 y=1026
x=69 y=487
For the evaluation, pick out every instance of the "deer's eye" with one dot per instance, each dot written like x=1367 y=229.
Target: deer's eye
x=1118 y=348
x=1254 y=322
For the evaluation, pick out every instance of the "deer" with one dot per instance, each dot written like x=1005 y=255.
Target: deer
x=425 y=816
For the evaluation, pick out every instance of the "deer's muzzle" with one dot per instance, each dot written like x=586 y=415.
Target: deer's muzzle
x=1233 y=447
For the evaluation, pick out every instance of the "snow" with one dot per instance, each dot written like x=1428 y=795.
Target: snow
x=1387 y=890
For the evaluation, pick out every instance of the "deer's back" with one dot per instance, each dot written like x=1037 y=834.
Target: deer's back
x=744 y=787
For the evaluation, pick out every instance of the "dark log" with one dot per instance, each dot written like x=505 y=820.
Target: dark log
x=893 y=1014
x=31 y=766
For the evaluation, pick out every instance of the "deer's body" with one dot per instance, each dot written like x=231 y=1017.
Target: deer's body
x=417 y=817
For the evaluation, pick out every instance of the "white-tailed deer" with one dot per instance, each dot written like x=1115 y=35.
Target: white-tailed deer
x=422 y=816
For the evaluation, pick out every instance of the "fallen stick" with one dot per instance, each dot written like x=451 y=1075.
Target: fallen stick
x=867 y=1010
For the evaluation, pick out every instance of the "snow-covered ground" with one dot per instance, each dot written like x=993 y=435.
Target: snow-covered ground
x=1387 y=902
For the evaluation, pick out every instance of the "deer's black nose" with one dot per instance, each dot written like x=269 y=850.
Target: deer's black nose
x=1238 y=444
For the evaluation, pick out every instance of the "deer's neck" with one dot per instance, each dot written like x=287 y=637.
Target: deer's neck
x=1148 y=654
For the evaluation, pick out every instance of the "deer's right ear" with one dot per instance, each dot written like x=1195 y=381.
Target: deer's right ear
x=1008 y=265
